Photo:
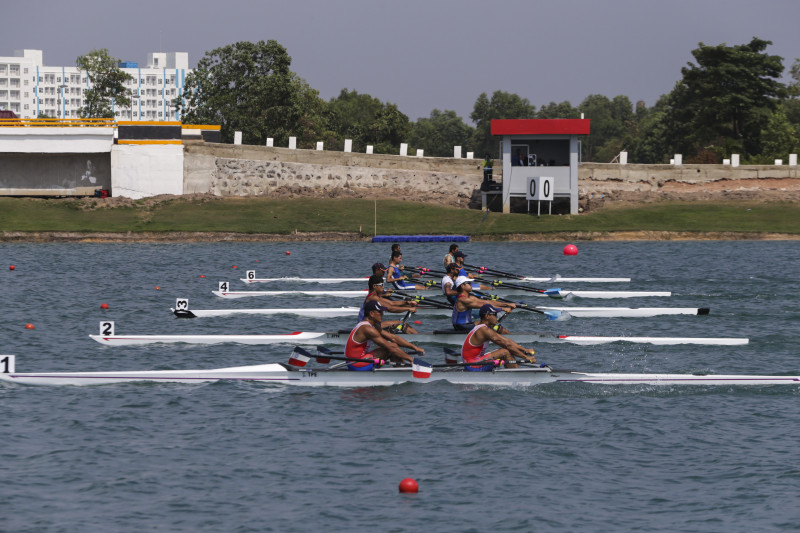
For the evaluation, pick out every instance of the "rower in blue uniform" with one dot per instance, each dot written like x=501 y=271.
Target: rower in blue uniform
x=462 y=317
x=395 y=276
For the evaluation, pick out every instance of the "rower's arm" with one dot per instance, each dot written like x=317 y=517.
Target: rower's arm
x=398 y=307
x=398 y=340
x=516 y=349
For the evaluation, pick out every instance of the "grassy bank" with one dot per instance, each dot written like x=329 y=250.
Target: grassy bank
x=286 y=216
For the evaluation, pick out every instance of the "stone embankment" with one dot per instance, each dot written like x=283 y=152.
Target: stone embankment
x=240 y=170
x=227 y=170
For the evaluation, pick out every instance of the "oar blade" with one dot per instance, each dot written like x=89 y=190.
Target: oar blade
x=556 y=315
x=451 y=356
x=323 y=355
x=421 y=369
x=299 y=357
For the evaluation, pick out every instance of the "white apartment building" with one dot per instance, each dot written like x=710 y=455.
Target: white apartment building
x=28 y=88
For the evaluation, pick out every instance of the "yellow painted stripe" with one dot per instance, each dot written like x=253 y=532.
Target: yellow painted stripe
x=201 y=127
x=148 y=142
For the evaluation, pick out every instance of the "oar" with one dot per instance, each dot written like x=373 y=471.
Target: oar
x=451 y=360
x=323 y=353
x=551 y=314
x=418 y=298
x=493 y=271
x=301 y=357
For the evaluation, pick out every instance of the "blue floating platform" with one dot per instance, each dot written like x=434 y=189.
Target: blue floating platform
x=420 y=238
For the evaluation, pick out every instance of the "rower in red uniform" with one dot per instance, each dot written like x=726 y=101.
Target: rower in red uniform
x=368 y=340
x=476 y=345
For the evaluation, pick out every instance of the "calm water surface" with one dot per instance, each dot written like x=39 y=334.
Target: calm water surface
x=251 y=457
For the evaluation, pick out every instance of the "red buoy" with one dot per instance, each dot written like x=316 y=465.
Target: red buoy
x=288 y=252
x=234 y=266
x=418 y=322
x=12 y=267
x=29 y=326
x=570 y=249
x=104 y=306
x=202 y=276
x=409 y=485
x=158 y=288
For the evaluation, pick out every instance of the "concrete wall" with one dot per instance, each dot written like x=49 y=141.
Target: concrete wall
x=54 y=174
x=238 y=170
x=55 y=140
x=609 y=177
x=145 y=170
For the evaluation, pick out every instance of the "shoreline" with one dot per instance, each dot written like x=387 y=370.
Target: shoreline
x=184 y=237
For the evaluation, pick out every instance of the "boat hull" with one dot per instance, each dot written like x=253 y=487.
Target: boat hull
x=283 y=374
x=340 y=338
x=556 y=279
x=559 y=294
x=334 y=312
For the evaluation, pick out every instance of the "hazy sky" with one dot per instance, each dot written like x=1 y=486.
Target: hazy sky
x=423 y=55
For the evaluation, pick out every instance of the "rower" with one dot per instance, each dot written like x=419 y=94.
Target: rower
x=475 y=346
x=449 y=258
x=448 y=283
x=378 y=269
x=396 y=277
x=460 y=257
x=367 y=340
x=376 y=294
x=465 y=302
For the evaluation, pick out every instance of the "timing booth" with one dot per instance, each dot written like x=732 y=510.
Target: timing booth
x=535 y=149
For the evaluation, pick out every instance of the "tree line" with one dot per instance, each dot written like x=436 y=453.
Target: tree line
x=729 y=100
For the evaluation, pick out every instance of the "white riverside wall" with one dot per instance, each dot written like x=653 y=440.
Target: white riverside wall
x=138 y=171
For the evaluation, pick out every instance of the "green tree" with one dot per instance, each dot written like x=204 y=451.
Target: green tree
x=106 y=83
x=249 y=87
x=439 y=133
x=779 y=138
x=612 y=126
x=502 y=105
x=389 y=128
x=351 y=114
x=727 y=97
x=562 y=110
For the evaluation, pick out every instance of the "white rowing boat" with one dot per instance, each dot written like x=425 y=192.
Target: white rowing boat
x=339 y=338
x=554 y=279
x=551 y=293
x=331 y=312
x=308 y=312
x=386 y=376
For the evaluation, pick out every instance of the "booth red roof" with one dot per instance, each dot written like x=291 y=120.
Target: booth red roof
x=541 y=126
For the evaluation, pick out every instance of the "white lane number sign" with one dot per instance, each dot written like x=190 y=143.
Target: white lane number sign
x=539 y=188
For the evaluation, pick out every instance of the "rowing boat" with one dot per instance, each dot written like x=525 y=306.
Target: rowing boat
x=331 y=312
x=553 y=279
x=551 y=293
x=281 y=373
x=308 y=312
x=447 y=337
